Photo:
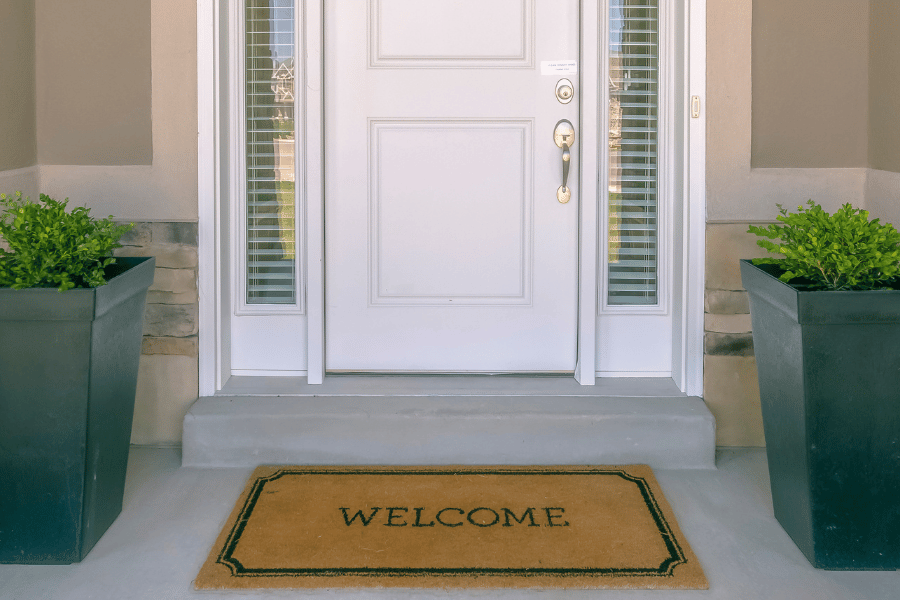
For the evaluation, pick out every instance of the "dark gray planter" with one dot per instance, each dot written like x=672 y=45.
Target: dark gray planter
x=829 y=380
x=68 y=375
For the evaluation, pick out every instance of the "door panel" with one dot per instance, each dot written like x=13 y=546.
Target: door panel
x=451 y=33
x=456 y=258
x=446 y=247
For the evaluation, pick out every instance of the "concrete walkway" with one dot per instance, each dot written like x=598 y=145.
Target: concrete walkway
x=173 y=514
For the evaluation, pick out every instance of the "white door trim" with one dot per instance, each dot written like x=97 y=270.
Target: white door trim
x=315 y=189
x=213 y=359
x=214 y=267
x=589 y=185
x=687 y=341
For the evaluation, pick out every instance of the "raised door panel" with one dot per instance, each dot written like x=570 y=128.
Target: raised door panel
x=450 y=212
x=451 y=33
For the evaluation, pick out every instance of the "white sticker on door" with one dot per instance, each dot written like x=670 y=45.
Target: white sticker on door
x=559 y=67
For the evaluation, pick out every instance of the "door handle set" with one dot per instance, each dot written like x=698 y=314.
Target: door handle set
x=564 y=136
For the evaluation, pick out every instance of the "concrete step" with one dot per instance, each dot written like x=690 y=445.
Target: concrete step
x=449 y=420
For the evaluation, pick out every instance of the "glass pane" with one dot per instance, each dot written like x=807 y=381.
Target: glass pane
x=270 y=149
x=633 y=129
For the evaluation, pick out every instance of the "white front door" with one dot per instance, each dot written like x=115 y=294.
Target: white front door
x=446 y=248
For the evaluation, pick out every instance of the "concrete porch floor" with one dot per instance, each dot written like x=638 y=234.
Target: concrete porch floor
x=172 y=515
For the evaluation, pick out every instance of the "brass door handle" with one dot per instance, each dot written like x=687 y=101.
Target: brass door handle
x=564 y=136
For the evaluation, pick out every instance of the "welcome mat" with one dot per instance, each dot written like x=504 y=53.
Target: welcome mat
x=452 y=527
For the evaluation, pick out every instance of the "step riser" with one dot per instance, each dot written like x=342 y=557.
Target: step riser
x=666 y=433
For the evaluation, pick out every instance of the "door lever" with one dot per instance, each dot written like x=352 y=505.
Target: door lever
x=564 y=136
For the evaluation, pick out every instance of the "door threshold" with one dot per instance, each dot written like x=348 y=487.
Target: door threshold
x=340 y=373
x=383 y=384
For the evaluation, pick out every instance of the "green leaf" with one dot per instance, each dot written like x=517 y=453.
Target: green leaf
x=841 y=251
x=50 y=247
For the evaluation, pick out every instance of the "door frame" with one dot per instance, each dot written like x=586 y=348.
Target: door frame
x=215 y=70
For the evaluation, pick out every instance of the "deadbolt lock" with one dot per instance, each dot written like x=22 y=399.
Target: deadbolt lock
x=565 y=91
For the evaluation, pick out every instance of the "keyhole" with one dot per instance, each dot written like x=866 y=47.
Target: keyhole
x=564 y=91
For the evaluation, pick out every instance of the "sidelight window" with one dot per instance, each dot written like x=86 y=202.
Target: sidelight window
x=269 y=174
x=633 y=207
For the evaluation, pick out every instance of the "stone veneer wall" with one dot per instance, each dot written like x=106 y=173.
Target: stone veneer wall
x=730 y=384
x=168 y=376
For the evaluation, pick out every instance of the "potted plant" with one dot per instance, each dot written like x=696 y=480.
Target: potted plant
x=71 y=320
x=826 y=334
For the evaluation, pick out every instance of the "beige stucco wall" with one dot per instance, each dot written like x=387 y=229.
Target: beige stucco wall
x=810 y=83
x=93 y=82
x=735 y=190
x=117 y=131
x=884 y=87
x=784 y=125
x=163 y=187
x=98 y=104
x=18 y=140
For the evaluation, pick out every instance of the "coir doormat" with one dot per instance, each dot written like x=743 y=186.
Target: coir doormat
x=452 y=527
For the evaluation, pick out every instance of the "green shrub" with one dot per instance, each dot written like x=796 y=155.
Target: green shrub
x=49 y=247
x=843 y=251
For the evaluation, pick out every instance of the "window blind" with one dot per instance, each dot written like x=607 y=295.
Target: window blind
x=633 y=133
x=270 y=148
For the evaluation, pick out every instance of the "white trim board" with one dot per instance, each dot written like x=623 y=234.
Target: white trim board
x=687 y=345
x=214 y=361
x=315 y=190
x=592 y=36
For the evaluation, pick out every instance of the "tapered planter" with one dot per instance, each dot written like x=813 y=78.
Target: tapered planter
x=829 y=380
x=68 y=375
